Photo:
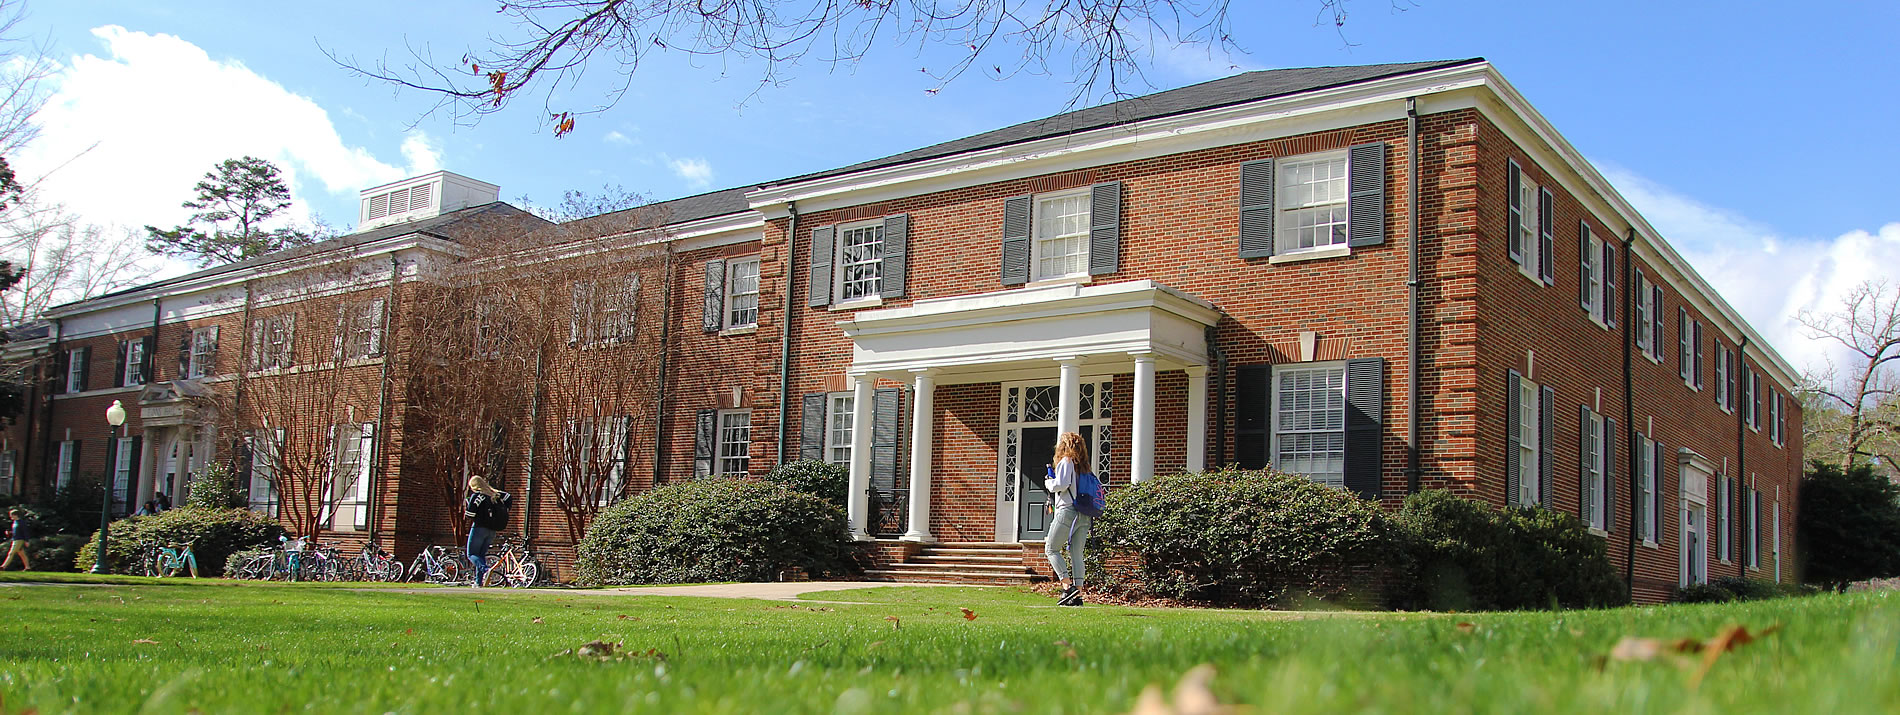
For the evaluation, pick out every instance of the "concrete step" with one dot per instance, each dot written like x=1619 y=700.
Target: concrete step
x=970 y=552
x=986 y=568
x=941 y=558
x=947 y=577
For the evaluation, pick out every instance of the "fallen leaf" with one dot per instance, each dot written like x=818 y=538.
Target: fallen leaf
x=537 y=619
x=874 y=645
x=146 y=641
x=1729 y=639
x=968 y=614
x=895 y=623
x=1192 y=696
x=406 y=631
x=1466 y=627
x=597 y=649
x=625 y=617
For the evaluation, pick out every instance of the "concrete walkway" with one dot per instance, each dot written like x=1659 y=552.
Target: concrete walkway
x=786 y=591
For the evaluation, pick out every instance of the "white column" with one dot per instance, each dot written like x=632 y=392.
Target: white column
x=147 y=474
x=1142 y=453
x=923 y=424
x=181 y=466
x=857 y=490
x=1069 y=406
x=1197 y=418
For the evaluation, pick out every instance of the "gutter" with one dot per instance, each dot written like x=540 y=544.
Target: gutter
x=534 y=441
x=785 y=330
x=1629 y=407
x=666 y=350
x=1413 y=443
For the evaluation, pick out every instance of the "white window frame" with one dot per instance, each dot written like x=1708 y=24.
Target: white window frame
x=732 y=449
x=63 y=468
x=355 y=445
x=9 y=466
x=203 y=344
x=1281 y=432
x=1647 y=483
x=1640 y=321
x=1723 y=518
x=1037 y=239
x=76 y=369
x=1724 y=397
x=604 y=320
x=596 y=435
x=1753 y=404
x=276 y=336
x=841 y=267
x=1530 y=253
x=122 y=477
x=1685 y=348
x=736 y=299
x=838 y=426
x=1774 y=418
x=1752 y=528
x=360 y=331
x=134 y=357
x=1529 y=442
x=1595 y=510
x=1285 y=226
x=266 y=450
x=1593 y=262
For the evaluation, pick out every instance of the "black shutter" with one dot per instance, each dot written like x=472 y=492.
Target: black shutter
x=1511 y=436
x=1609 y=284
x=1546 y=235
x=886 y=418
x=132 y=473
x=1105 y=228
x=62 y=366
x=1546 y=429
x=1365 y=203
x=148 y=361
x=1016 y=240
x=811 y=427
x=705 y=439
x=1256 y=209
x=896 y=261
x=184 y=355
x=118 y=370
x=823 y=239
x=1656 y=320
x=1513 y=181
x=713 y=315
x=112 y=471
x=1253 y=419
x=1365 y=422
x=1585 y=421
x=1610 y=437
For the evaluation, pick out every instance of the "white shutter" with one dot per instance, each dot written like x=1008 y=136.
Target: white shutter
x=365 y=451
x=376 y=310
x=378 y=206
x=419 y=196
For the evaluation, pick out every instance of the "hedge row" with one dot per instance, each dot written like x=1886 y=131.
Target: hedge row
x=213 y=533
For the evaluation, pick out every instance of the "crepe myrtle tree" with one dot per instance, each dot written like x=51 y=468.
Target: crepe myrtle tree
x=547 y=344
x=1859 y=416
x=1100 y=45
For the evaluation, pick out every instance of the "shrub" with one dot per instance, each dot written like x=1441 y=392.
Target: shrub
x=214 y=534
x=1704 y=593
x=714 y=530
x=1237 y=536
x=216 y=487
x=826 y=480
x=240 y=557
x=1849 y=524
x=56 y=552
x=1460 y=554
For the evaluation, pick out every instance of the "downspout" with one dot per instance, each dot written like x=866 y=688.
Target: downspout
x=666 y=351
x=1741 y=457
x=46 y=439
x=785 y=330
x=534 y=443
x=1629 y=407
x=1220 y=395
x=1414 y=444
x=380 y=475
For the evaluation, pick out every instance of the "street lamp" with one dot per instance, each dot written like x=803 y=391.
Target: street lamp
x=115 y=416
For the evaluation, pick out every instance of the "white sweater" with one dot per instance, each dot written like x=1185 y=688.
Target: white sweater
x=1062 y=485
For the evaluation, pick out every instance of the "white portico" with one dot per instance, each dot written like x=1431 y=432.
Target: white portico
x=1081 y=335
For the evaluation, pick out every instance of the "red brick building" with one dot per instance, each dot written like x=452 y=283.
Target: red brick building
x=1388 y=277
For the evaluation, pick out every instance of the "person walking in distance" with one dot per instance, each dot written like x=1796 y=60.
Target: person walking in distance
x=487 y=509
x=19 y=532
x=1069 y=531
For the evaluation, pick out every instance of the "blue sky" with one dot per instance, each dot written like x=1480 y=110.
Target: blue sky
x=1749 y=133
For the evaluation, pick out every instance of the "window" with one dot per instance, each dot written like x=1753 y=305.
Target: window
x=1061 y=245
x=735 y=442
x=1648 y=477
x=360 y=330
x=1528 y=442
x=1655 y=323
x=1524 y=243
x=1774 y=417
x=1641 y=318
x=1722 y=518
x=1591 y=271
x=860 y=260
x=1309 y=418
x=355 y=450
x=1753 y=399
x=492 y=327
x=134 y=357
x=65 y=466
x=1723 y=397
x=742 y=292
x=604 y=311
x=1310 y=198
x=8 y=463
x=1685 y=360
x=126 y=452
x=595 y=463
x=266 y=448
x=204 y=353
x=1751 y=529
x=1697 y=371
x=1594 y=431
x=1608 y=273
x=76 y=369
x=838 y=427
x=271 y=341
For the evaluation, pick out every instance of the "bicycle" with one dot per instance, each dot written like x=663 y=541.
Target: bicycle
x=375 y=564
x=174 y=558
x=441 y=565
x=515 y=566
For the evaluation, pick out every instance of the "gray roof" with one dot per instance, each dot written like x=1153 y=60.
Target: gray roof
x=444 y=226
x=1238 y=89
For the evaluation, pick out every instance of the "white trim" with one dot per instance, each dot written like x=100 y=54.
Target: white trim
x=856 y=304
x=1310 y=254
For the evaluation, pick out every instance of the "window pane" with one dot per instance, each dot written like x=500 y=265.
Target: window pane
x=1311 y=198
x=735 y=442
x=742 y=293
x=1062 y=231
x=1310 y=414
x=860 y=256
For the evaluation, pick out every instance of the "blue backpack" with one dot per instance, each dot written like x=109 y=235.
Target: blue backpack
x=1089 y=498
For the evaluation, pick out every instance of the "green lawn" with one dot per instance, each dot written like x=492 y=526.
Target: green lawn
x=220 y=647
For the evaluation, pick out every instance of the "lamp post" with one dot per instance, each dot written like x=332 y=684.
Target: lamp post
x=115 y=416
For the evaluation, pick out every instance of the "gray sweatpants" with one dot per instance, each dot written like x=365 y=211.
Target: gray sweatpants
x=1068 y=532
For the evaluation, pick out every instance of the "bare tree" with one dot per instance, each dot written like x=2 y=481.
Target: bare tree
x=63 y=259
x=25 y=66
x=1866 y=393
x=1100 y=44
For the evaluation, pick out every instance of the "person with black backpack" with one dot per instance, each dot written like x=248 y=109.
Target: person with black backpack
x=488 y=508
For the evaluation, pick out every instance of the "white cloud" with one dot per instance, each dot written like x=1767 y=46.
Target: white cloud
x=125 y=136
x=695 y=171
x=615 y=137
x=1769 y=278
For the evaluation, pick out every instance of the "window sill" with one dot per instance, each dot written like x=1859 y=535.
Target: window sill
x=741 y=330
x=98 y=391
x=1082 y=279
x=1599 y=532
x=1647 y=544
x=1311 y=254
x=1530 y=274
x=857 y=304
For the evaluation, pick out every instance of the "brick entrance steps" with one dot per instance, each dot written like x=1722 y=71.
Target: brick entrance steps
x=959 y=562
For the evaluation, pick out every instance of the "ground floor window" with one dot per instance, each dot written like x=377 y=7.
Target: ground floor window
x=838 y=426
x=735 y=442
x=265 y=447
x=1593 y=469
x=1309 y=422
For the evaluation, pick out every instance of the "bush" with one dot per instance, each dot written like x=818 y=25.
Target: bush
x=715 y=530
x=240 y=557
x=67 y=511
x=56 y=552
x=1460 y=554
x=826 y=480
x=1849 y=524
x=1236 y=536
x=216 y=487
x=214 y=534
x=1703 y=593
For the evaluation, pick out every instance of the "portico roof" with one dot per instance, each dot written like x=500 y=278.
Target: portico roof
x=1017 y=334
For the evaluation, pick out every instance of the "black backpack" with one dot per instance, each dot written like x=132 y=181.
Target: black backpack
x=494 y=513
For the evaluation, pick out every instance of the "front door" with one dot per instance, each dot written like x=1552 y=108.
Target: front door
x=1037 y=506
x=1028 y=447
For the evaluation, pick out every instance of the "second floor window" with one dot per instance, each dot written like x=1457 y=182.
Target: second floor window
x=742 y=293
x=1311 y=201
x=203 y=357
x=133 y=356
x=360 y=330
x=76 y=369
x=1061 y=244
x=604 y=311
x=271 y=341
x=860 y=260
